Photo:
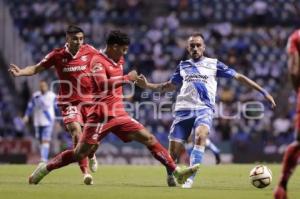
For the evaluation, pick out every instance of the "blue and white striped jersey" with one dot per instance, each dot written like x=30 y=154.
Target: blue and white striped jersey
x=42 y=106
x=199 y=82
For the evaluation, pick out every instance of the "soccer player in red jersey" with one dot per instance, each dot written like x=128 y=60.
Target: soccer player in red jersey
x=108 y=114
x=292 y=152
x=72 y=66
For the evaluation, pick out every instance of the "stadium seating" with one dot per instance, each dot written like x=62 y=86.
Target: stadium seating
x=248 y=35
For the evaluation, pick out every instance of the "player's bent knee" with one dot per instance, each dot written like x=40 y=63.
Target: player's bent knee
x=151 y=139
x=74 y=129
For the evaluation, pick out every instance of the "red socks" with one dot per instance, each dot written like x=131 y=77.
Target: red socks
x=290 y=160
x=62 y=159
x=83 y=164
x=162 y=155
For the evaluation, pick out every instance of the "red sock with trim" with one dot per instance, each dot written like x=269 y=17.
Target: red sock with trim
x=62 y=159
x=162 y=155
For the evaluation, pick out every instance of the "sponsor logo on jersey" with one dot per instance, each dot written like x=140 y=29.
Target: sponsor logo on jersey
x=95 y=136
x=97 y=67
x=84 y=58
x=74 y=69
x=196 y=77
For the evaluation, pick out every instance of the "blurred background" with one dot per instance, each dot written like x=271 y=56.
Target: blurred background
x=248 y=35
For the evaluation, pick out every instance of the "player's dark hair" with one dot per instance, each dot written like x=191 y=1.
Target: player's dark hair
x=197 y=34
x=117 y=37
x=72 y=29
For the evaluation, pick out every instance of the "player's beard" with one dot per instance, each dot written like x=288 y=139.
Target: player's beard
x=74 y=49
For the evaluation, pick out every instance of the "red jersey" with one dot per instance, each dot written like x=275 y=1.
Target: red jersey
x=75 y=83
x=110 y=92
x=293 y=44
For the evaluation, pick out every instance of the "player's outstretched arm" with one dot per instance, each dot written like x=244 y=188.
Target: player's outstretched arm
x=245 y=80
x=16 y=71
x=161 y=87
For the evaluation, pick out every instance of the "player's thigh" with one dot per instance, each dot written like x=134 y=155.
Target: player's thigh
x=91 y=133
x=128 y=129
x=38 y=133
x=142 y=136
x=74 y=128
x=201 y=131
x=46 y=133
x=71 y=114
x=202 y=125
x=181 y=129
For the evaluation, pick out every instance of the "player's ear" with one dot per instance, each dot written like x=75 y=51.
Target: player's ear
x=115 y=46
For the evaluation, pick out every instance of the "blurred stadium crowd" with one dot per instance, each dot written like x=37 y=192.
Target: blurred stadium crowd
x=249 y=35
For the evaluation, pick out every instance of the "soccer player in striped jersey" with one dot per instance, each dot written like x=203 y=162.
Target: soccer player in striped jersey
x=195 y=102
x=42 y=107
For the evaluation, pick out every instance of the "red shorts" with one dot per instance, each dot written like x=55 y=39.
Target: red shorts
x=297 y=122
x=74 y=112
x=121 y=126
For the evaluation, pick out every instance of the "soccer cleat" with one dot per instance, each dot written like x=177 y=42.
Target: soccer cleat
x=93 y=164
x=188 y=184
x=88 y=179
x=171 y=181
x=280 y=193
x=38 y=174
x=182 y=174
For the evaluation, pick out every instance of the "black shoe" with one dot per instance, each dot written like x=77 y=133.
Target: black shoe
x=171 y=181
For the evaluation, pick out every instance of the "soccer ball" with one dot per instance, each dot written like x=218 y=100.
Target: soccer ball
x=260 y=176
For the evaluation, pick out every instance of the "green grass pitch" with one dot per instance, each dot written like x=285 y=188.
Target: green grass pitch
x=138 y=182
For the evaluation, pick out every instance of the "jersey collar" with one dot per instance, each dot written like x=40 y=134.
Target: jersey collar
x=68 y=51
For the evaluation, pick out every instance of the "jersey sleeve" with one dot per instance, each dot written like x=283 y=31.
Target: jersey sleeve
x=224 y=71
x=101 y=78
x=48 y=60
x=176 y=77
x=292 y=43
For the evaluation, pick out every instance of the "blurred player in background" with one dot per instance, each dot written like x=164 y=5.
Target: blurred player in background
x=292 y=152
x=107 y=69
x=42 y=107
x=71 y=64
x=194 y=106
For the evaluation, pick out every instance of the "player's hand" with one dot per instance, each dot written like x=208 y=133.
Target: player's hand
x=132 y=75
x=14 y=70
x=141 y=81
x=270 y=99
